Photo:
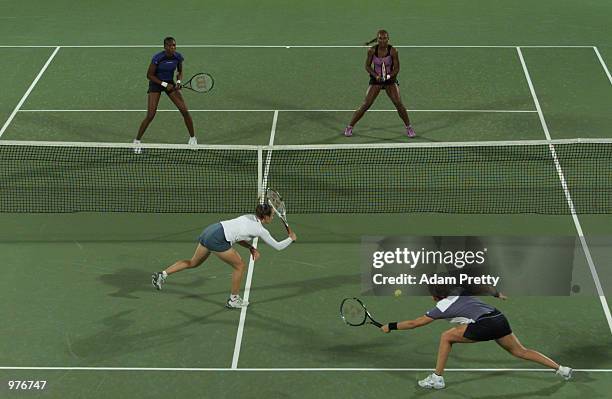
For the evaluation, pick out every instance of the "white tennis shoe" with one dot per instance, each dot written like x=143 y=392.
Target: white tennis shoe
x=236 y=303
x=137 y=149
x=158 y=279
x=565 y=372
x=432 y=381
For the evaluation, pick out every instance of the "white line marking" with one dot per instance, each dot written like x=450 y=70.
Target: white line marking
x=27 y=93
x=247 y=291
x=284 y=46
x=260 y=173
x=269 y=155
x=296 y=369
x=283 y=110
x=603 y=64
x=247 y=287
x=301 y=147
x=585 y=247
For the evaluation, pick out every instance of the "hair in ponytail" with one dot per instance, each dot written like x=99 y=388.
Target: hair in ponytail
x=380 y=32
x=370 y=42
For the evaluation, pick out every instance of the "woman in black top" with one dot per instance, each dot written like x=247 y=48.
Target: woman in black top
x=478 y=322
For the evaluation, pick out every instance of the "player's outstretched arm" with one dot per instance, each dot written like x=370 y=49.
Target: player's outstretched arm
x=407 y=324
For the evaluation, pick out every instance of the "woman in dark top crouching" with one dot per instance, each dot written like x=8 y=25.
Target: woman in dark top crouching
x=478 y=321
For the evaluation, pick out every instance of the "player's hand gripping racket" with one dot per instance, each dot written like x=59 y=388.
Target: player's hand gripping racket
x=385 y=75
x=200 y=82
x=354 y=313
x=276 y=202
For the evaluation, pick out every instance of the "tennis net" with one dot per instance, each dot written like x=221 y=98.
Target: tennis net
x=548 y=177
x=83 y=177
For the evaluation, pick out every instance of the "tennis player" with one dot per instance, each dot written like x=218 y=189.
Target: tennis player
x=161 y=79
x=383 y=66
x=219 y=238
x=477 y=322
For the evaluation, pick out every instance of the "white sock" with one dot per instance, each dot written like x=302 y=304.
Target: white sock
x=164 y=274
x=234 y=297
x=136 y=141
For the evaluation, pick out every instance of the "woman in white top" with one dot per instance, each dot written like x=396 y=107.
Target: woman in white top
x=219 y=238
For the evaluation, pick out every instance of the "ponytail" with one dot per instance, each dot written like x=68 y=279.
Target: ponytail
x=370 y=42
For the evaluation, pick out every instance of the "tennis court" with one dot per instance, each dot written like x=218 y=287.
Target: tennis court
x=78 y=307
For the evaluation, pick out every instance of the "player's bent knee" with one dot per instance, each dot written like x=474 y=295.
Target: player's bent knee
x=240 y=266
x=451 y=336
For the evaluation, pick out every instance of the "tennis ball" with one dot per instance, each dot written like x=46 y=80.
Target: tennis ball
x=398 y=293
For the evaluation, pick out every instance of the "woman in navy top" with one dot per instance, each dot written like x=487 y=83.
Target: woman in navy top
x=382 y=63
x=161 y=79
x=477 y=322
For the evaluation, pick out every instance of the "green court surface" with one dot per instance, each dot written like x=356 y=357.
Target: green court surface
x=78 y=309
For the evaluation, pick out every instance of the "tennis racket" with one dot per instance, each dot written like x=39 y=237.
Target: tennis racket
x=354 y=313
x=276 y=202
x=200 y=83
x=385 y=75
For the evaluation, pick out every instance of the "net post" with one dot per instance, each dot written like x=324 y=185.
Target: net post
x=260 y=175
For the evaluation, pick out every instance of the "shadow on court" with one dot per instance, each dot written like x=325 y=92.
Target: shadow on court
x=129 y=282
x=454 y=384
x=298 y=288
x=593 y=355
x=116 y=339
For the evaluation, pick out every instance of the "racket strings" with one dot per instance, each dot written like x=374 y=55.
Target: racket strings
x=353 y=313
x=201 y=82
x=275 y=201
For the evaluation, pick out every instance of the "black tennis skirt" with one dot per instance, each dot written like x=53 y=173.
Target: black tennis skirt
x=490 y=326
x=156 y=88
x=384 y=84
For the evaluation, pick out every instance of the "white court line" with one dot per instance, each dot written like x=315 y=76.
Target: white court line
x=585 y=247
x=27 y=93
x=285 y=46
x=296 y=369
x=282 y=110
x=603 y=64
x=247 y=287
x=247 y=291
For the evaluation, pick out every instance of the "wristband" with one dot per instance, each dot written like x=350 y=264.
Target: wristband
x=164 y=84
x=393 y=326
x=178 y=81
